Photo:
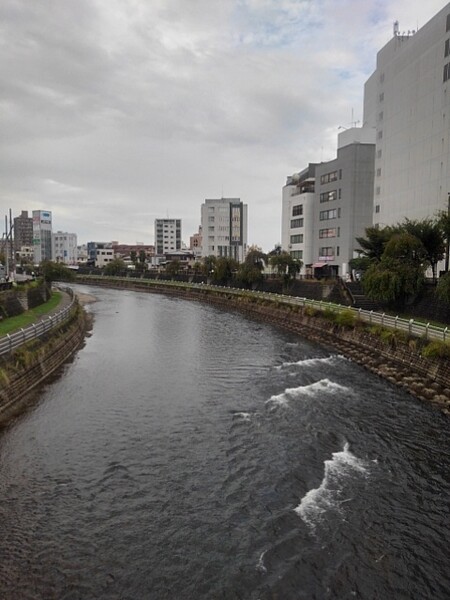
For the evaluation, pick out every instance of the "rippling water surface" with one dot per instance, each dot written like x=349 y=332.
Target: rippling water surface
x=188 y=453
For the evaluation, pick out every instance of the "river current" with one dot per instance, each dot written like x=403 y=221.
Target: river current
x=189 y=453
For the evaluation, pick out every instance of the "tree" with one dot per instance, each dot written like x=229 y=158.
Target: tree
x=443 y=288
x=224 y=270
x=173 y=268
x=209 y=262
x=285 y=265
x=398 y=277
x=52 y=271
x=133 y=256
x=444 y=224
x=115 y=267
x=372 y=246
x=431 y=235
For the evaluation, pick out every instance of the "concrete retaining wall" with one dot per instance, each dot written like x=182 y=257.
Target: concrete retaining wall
x=47 y=356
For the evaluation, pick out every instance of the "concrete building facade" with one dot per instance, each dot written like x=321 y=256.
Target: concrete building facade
x=23 y=231
x=167 y=236
x=42 y=235
x=64 y=248
x=407 y=101
x=224 y=228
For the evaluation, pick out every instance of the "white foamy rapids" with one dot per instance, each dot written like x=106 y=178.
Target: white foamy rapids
x=312 y=362
x=328 y=496
x=313 y=389
x=242 y=416
x=260 y=566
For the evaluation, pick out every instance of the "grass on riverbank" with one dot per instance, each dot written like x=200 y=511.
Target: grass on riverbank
x=30 y=316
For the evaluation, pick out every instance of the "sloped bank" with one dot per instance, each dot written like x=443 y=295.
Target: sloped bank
x=425 y=378
x=36 y=361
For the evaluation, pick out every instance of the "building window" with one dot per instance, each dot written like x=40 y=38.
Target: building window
x=447 y=48
x=337 y=250
x=297 y=239
x=297 y=254
x=340 y=193
x=326 y=251
x=340 y=173
x=448 y=23
x=377 y=190
x=381 y=77
x=324 y=215
x=380 y=134
x=327 y=177
x=328 y=196
x=296 y=223
x=379 y=172
x=297 y=210
x=446 y=75
x=379 y=153
x=377 y=208
x=327 y=233
x=381 y=97
x=380 y=116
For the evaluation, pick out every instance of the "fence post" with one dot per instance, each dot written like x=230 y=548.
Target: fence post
x=382 y=320
x=411 y=321
x=426 y=330
x=10 y=342
x=370 y=318
x=444 y=333
x=396 y=321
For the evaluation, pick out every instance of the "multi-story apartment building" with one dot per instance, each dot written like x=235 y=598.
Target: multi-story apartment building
x=100 y=254
x=297 y=211
x=224 y=228
x=327 y=205
x=23 y=231
x=64 y=248
x=407 y=100
x=167 y=236
x=344 y=201
x=195 y=243
x=42 y=235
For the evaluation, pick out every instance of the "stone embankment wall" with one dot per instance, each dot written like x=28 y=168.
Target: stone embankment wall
x=15 y=302
x=31 y=365
x=426 y=379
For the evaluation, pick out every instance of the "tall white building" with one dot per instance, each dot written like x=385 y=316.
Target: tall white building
x=224 y=228
x=42 y=235
x=407 y=100
x=167 y=236
x=297 y=215
x=327 y=205
x=64 y=248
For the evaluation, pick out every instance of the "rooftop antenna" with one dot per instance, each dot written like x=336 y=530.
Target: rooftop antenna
x=396 y=28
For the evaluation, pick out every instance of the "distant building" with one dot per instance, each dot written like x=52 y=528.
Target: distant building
x=23 y=231
x=42 y=235
x=167 y=236
x=406 y=100
x=297 y=215
x=195 y=243
x=224 y=228
x=65 y=248
x=100 y=253
x=126 y=249
x=327 y=205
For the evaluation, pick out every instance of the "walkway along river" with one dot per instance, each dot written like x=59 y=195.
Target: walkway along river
x=189 y=453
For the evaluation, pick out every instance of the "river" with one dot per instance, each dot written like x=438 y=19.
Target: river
x=190 y=453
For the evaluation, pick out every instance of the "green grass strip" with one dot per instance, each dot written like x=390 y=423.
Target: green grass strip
x=30 y=316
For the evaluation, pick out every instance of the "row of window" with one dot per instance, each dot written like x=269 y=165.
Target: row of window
x=446 y=75
x=296 y=223
x=331 y=176
x=329 y=196
x=297 y=239
x=330 y=232
x=297 y=210
x=332 y=213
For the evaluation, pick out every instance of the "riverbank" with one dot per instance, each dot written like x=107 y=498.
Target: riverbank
x=36 y=361
x=428 y=379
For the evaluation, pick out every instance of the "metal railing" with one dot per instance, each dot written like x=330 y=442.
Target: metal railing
x=410 y=326
x=11 y=341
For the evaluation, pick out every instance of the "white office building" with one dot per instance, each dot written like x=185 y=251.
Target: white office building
x=224 y=228
x=42 y=235
x=167 y=236
x=407 y=101
x=297 y=215
x=64 y=248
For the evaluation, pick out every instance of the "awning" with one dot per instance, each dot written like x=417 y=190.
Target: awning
x=319 y=265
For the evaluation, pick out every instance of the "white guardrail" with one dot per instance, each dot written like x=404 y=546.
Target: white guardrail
x=11 y=341
x=411 y=326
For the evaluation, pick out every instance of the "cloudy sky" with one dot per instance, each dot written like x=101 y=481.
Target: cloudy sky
x=117 y=112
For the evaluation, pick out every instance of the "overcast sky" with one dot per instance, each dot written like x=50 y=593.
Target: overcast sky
x=117 y=112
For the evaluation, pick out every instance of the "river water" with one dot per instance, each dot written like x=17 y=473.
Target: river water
x=189 y=453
